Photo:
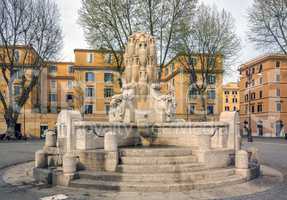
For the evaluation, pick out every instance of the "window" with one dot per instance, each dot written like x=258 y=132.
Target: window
x=193 y=61
x=16 y=56
x=278 y=92
x=17 y=90
x=277 y=64
x=226 y=108
x=52 y=69
x=108 y=92
x=226 y=92
x=69 y=97
x=259 y=108
x=90 y=92
x=246 y=97
x=211 y=79
x=252 y=109
x=89 y=109
x=246 y=84
x=108 y=58
x=261 y=80
x=90 y=57
x=278 y=107
x=107 y=108
x=226 y=100
x=260 y=68
x=70 y=69
x=210 y=109
x=191 y=109
x=53 y=109
x=52 y=97
x=260 y=94
x=70 y=84
x=53 y=84
x=234 y=108
x=253 y=70
x=211 y=94
x=193 y=93
x=166 y=71
x=277 y=77
x=234 y=100
x=90 y=76
x=108 y=77
x=18 y=73
x=253 y=96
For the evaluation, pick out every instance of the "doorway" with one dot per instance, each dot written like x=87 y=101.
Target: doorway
x=278 y=128
x=43 y=129
x=260 y=128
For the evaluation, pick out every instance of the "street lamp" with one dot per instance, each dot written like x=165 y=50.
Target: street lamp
x=249 y=131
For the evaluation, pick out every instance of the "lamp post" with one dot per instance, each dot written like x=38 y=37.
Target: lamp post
x=249 y=131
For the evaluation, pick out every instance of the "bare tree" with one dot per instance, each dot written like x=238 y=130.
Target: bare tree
x=30 y=34
x=109 y=23
x=268 y=24
x=204 y=45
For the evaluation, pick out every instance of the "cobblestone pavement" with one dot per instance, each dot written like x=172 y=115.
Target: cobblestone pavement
x=271 y=152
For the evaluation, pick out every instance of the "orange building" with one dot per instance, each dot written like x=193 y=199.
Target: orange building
x=263 y=95
x=189 y=101
x=230 y=97
x=96 y=80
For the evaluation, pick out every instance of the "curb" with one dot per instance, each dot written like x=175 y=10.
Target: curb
x=14 y=164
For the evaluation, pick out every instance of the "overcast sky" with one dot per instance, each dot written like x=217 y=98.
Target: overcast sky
x=74 y=36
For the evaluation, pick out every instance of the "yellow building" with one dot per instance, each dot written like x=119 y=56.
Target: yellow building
x=96 y=80
x=88 y=83
x=230 y=97
x=189 y=102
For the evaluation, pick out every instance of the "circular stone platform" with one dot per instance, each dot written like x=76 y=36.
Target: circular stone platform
x=18 y=174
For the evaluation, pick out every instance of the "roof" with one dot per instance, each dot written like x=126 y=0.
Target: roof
x=101 y=50
x=261 y=59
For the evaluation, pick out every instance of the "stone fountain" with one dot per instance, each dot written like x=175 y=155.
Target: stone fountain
x=144 y=147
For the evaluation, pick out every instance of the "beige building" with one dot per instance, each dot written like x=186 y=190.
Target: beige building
x=263 y=95
x=230 y=97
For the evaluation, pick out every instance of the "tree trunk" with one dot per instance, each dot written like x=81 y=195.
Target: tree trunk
x=203 y=106
x=11 y=122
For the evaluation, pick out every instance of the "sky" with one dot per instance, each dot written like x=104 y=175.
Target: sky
x=74 y=36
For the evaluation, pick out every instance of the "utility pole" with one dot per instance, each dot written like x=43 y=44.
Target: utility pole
x=249 y=131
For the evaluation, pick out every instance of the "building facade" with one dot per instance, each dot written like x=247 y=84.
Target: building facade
x=230 y=100
x=189 y=101
x=88 y=83
x=263 y=95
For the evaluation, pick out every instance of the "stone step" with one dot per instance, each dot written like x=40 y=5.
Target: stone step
x=155 y=152
x=160 y=177
x=156 y=187
x=149 y=160
x=168 y=168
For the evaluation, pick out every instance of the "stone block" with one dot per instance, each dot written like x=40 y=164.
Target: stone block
x=111 y=161
x=51 y=139
x=241 y=159
x=69 y=164
x=111 y=142
x=204 y=142
x=92 y=160
x=216 y=158
x=40 y=159
x=42 y=175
